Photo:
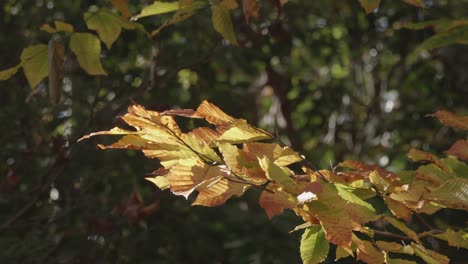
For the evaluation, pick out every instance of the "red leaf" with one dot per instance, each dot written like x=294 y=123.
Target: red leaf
x=449 y=119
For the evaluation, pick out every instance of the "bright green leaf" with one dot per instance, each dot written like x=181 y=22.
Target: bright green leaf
x=87 y=49
x=314 y=246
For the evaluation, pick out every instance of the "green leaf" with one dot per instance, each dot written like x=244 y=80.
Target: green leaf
x=87 y=49
x=314 y=246
x=452 y=194
x=35 y=62
x=455 y=238
x=369 y=5
x=429 y=256
x=108 y=25
x=277 y=174
x=59 y=27
x=222 y=22
x=6 y=74
x=186 y=10
x=157 y=8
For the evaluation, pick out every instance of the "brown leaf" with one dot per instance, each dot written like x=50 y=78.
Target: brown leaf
x=275 y=203
x=459 y=149
x=218 y=193
x=449 y=119
x=366 y=169
x=122 y=6
x=250 y=8
x=419 y=155
x=134 y=208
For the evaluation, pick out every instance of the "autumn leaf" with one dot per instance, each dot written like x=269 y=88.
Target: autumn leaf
x=398 y=209
x=429 y=256
x=6 y=74
x=218 y=193
x=87 y=49
x=134 y=208
x=122 y=6
x=454 y=238
x=314 y=246
x=419 y=155
x=403 y=228
x=369 y=5
x=459 y=149
x=278 y=174
x=366 y=251
x=449 y=119
x=275 y=202
x=395 y=247
x=452 y=194
x=250 y=8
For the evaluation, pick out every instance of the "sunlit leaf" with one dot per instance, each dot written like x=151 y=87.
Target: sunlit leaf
x=358 y=210
x=87 y=49
x=157 y=8
x=221 y=20
x=459 y=149
x=429 y=256
x=217 y=193
x=403 y=228
x=277 y=174
x=342 y=253
x=314 y=246
x=452 y=193
x=369 y=5
x=275 y=203
x=281 y=156
x=242 y=132
x=35 y=62
x=56 y=71
x=187 y=8
x=161 y=181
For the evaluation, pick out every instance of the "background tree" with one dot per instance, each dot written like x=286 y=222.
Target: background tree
x=334 y=82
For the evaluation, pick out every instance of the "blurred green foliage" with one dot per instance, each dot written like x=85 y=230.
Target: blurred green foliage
x=329 y=79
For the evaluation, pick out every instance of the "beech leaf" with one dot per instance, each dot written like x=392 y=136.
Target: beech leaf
x=87 y=49
x=275 y=203
x=122 y=6
x=157 y=8
x=6 y=74
x=459 y=149
x=314 y=246
x=449 y=119
x=455 y=238
x=419 y=155
x=222 y=21
x=35 y=62
x=403 y=228
x=452 y=194
x=250 y=8
x=429 y=256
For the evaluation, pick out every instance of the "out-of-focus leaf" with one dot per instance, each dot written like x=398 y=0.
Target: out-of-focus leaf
x=455 y=238
x=429 y=256
x=122 y=6
x=35 y=62
x=108 y=25
x=87 y=49
x=449 y=119
x=56 y=72
x=452 y=194
x=314 y=246
x=250 y=8
x=369 y=5
x=6 y=74
x=419 y=155
x=459 y=149
x=59 y=27
x=157 y=8
x=186 y=9
x=403 y=228
x=221 y=20
x=389 y=260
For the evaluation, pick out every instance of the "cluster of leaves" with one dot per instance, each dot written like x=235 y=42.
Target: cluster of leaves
x=225 y=160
